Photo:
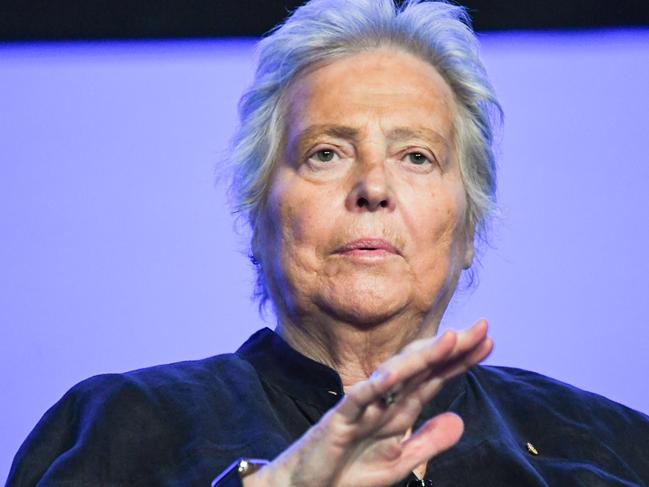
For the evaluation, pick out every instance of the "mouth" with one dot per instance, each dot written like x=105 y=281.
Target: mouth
x=367 y=247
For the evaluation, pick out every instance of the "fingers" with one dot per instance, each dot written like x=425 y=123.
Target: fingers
x=426 y=388
x=365 y=393
x=468 y=359
x=421 y=361
x=435 y=436
x=434 y=355
x=393 y=371
x=363 y=430
x=421 y=355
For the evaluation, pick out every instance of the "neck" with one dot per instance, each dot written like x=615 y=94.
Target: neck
x=354 y=350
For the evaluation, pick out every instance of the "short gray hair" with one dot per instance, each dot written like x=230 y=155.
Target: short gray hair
x=325 y=30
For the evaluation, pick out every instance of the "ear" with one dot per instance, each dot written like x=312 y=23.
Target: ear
x=470 y=245
x=257 y=241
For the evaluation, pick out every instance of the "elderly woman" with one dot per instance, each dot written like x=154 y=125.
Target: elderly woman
x=364 y=167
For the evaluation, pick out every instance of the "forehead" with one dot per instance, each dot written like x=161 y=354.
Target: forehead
x=392 y=87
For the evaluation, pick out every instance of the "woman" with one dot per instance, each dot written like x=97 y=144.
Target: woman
x=364 y=167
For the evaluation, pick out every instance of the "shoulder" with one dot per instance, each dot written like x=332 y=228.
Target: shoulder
x=166 y=387
x=580 y=434
x=176 y=380
x=130 y=421
x=531 y=393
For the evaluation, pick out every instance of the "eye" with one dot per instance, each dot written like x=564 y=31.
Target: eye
x=323 y=155
x=417 y=158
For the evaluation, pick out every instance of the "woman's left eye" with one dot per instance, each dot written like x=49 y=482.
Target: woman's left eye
x=324 y=155
x=418 y=158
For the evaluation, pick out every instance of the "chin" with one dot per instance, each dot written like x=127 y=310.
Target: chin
x=364 y=303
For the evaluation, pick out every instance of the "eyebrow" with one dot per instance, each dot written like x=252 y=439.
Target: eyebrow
x=400 y=133
x=338 y=131
x=350 y=133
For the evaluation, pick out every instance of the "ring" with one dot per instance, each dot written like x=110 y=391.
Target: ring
x=389 y=398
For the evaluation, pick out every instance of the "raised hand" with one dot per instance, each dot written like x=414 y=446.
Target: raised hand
x=364 y=440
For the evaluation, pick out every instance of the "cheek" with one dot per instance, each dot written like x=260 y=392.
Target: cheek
x=299 y=227
x=438 y=242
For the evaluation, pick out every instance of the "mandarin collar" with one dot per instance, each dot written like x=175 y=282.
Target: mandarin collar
x=298 y=376
x=304 y=379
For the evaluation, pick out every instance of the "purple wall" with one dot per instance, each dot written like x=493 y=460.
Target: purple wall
x=117 y=252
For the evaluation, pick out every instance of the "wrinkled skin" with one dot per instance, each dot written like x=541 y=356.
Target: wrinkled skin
x=369 y=157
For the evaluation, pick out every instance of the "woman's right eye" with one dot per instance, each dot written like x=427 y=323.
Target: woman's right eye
x=323 y=155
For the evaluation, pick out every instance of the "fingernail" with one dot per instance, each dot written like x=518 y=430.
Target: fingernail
x=447 y=334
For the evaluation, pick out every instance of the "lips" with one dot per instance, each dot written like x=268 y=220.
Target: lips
x=367 y=246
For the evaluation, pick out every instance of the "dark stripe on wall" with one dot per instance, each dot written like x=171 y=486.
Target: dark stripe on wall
x=31 y=20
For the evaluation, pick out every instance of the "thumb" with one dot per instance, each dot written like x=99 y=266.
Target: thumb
x=435 y=436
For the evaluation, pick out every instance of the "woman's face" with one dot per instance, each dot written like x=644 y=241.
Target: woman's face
x=366 y=210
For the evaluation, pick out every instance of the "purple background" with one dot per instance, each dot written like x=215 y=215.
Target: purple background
x=117 y=252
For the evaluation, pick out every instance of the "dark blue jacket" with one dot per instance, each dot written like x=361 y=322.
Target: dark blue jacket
x=182 y=424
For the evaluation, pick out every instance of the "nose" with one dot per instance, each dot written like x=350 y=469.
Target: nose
x=371 y=189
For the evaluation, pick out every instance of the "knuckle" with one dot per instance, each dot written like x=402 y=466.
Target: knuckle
x=381 y=371
x=356 y=390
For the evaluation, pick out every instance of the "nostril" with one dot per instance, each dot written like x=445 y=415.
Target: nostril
x=384 y=204
x=362 y=202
